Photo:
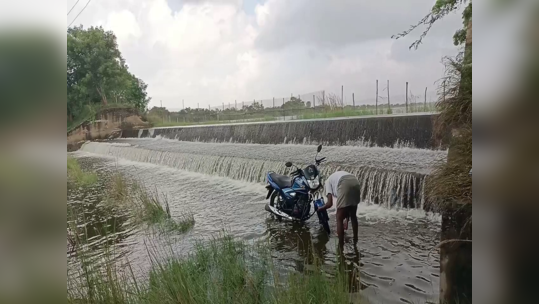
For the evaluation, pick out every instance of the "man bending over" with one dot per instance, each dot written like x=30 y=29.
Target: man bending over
x=344 y=188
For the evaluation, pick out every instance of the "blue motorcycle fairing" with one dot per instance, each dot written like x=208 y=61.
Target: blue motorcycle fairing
x=299 y=186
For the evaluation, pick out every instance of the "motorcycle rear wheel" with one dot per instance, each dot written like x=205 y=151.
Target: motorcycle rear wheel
x=272 y=203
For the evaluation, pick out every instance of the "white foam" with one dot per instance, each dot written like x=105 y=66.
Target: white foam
x=377 y=213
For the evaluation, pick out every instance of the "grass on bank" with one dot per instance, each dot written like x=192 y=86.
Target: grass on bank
x=222 y=271
x=158 y=122
x=77 y=175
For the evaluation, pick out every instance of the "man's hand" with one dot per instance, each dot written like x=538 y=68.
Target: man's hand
x=328 y=205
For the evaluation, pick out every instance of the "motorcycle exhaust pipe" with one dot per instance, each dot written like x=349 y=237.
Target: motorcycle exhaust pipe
x=278 y=212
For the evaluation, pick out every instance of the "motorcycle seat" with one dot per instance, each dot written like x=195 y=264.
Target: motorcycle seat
x=282 y=181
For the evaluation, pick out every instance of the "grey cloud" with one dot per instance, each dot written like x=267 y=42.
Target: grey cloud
x=176 y=5
x=339 y=23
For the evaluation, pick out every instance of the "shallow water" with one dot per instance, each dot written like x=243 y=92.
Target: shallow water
x=394 y=243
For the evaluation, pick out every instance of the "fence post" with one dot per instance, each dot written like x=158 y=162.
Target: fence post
x=284 y=115
x=407 y=97
x=342 y=96
x=388 y=102
x=376 y=96
x=425 y=107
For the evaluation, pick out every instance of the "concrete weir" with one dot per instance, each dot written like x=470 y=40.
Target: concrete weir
x=415 y=130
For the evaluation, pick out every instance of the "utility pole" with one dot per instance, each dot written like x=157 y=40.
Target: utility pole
x=376 y=96
x=161 y=103
x=274 y=102
x=198 y=105
x=407 y=97
x=183 y=105
x=236 y=104
x=425 y=107
x=353 y=100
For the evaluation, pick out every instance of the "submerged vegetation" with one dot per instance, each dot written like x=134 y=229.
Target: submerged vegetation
x=146 y=206
x=77 y=175
x=221 y=271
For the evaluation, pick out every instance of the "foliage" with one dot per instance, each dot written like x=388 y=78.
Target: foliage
x=441 y=9
x=77 y=175
x=451 y=181
x=294 y=103
x=455 y=103
x=97 y=72
x=146 y=206
x=221 y=271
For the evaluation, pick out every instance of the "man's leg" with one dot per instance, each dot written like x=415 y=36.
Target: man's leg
x=353 y=218
x=341 y=215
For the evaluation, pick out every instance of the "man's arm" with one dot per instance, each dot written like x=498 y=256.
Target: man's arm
x=329 y=204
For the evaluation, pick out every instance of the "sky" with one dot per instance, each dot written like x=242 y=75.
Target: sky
x=209 y=52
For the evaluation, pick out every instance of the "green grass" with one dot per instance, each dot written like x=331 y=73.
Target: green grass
x=336 y=113
x=77 y=175
x=220 y=272
x=159 y=123
x=146 y=206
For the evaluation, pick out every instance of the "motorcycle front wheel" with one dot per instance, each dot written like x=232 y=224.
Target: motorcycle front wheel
x=324 y=220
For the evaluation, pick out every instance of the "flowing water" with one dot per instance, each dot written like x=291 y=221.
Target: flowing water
x=222 y=184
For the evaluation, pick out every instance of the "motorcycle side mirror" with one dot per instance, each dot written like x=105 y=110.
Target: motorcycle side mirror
x=319 y=148
x=288 y=164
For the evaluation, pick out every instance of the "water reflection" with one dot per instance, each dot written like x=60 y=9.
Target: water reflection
x=395 y=252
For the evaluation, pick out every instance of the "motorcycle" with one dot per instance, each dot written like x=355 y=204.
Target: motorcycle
x=291 y=196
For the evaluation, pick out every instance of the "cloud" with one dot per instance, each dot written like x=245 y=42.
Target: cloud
x=214 y=52
x=330 y=24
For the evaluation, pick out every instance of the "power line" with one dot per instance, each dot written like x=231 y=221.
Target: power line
x=80 y=12
x=72 y=7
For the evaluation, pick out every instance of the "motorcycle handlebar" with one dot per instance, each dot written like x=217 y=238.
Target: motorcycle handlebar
x=318 y=161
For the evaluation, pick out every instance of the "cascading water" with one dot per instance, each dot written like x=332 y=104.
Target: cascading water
x=412 y=129
x=390 y=177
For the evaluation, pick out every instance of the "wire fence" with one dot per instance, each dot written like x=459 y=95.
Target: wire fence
x=317 y=104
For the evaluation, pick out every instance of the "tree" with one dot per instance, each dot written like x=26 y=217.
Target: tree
x=441 y=9
x=449 y=187
x=294 y=103
x=97 y=72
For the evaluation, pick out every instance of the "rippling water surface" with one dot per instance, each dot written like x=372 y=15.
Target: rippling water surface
x=394 y=243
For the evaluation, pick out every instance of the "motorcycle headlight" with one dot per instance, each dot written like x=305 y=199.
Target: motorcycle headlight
x=313 y=183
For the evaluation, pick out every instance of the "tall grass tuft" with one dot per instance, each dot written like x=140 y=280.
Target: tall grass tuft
x=220 y=272
x=77 y=175
x=146 y=206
